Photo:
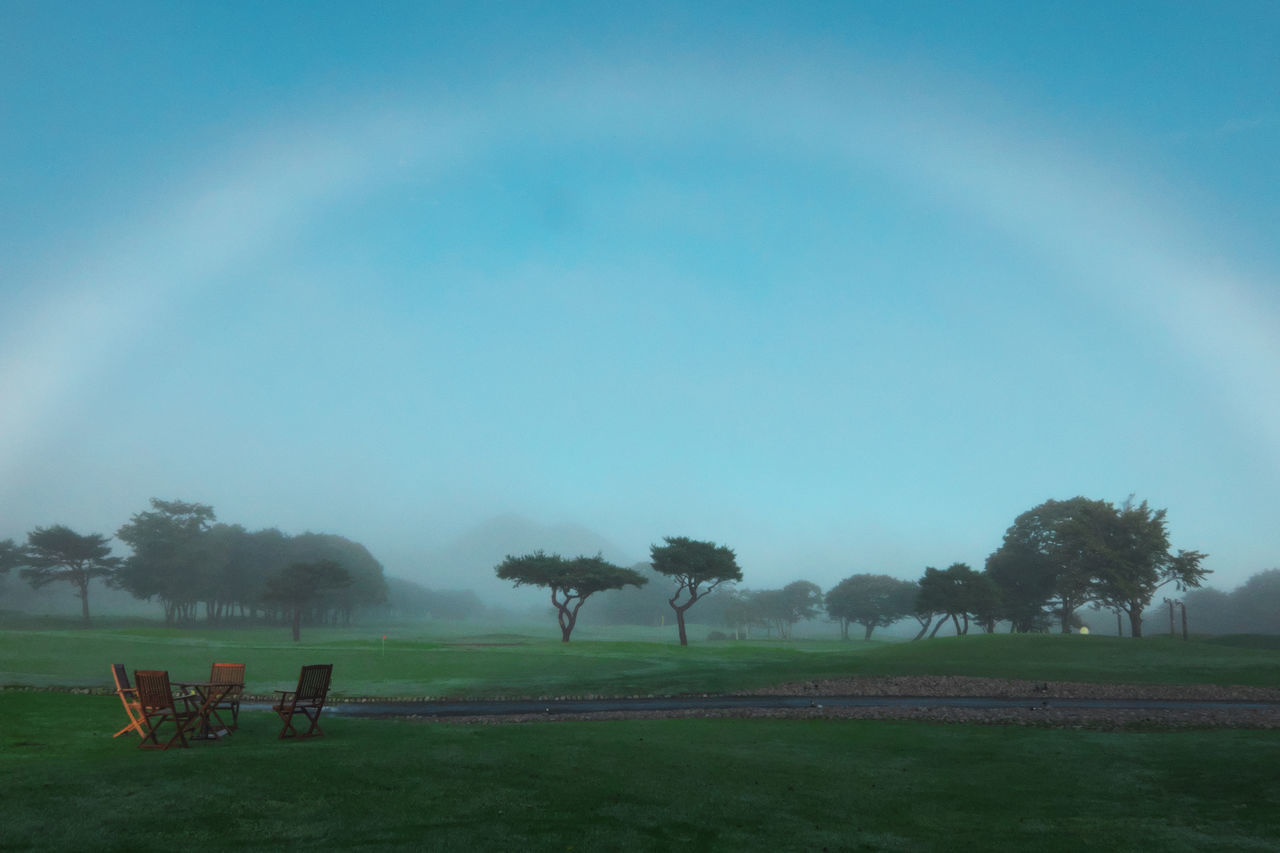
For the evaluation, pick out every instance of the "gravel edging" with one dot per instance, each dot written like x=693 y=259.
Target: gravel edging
x=1034 y=713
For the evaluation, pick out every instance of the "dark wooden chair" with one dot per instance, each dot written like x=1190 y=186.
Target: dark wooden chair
x=231 y=674
x=307 y=700
x=129 y=698
x=159 y=705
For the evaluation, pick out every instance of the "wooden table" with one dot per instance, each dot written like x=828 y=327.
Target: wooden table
x=209 y=694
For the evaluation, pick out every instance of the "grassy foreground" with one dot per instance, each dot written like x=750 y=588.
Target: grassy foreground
x=631 y=785
x=725 y=784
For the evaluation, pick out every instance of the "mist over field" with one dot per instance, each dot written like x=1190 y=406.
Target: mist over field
x=843 y=290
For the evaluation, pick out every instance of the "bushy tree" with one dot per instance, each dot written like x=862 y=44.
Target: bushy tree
x=1043 y=561
x=1130 y=551
x=697 y=568
x=368 y=585
x=10 y=556
x=1064 y=554
x=1255 y=604
x=58 y=553
x=571 y=582
x=299 y=585
x=783 y=608
x=171 y=559
x=741 y=611
x=951 y=592
x=872 y=601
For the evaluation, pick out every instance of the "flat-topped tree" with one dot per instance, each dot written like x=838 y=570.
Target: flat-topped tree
x=696 y=567
x=571 y=581
x=58 y=553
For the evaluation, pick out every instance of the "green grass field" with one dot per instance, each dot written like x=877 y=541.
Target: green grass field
x=723 y=784
x=444 y=662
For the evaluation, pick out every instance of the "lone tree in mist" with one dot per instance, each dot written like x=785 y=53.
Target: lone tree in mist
x=571 y=581
x=300 y=585
x=696 y=567
x=58 y=553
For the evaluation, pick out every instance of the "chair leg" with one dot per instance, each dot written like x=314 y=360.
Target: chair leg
x=135 y=726
x=153 y=732
x=289 y=731
x=314 y=729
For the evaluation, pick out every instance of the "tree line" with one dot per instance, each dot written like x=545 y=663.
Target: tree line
x=199 y=569
x=1251 y=608
x=1055 y=558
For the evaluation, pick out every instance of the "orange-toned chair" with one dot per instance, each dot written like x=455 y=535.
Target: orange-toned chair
x=231 y=674
x=159 y=705
x=307 y=700
x=129 y=698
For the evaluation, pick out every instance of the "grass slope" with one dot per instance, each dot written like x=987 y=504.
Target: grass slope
x=630 y=785
x=523 y=665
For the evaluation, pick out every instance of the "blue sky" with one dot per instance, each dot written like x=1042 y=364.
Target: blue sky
x=846 y=287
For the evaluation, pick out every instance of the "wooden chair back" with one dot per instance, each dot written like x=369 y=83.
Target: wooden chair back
x=128 y=698
x=153 y=689
x=313 y=683
x=228 y=673
x=158 y=706
x=307 y=701
x=231 y=674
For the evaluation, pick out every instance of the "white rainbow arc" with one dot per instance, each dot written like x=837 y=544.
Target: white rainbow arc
x=1127 y=249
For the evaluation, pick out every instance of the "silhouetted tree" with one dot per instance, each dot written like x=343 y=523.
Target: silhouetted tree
x=58 y=553
x=783 y=608
x=1255 y=604
x=571 y=582
x=1045 y=561
x=299 y=585
x=952 y=591
x=368 y=585
x=10 y=556
x=171 y=557
x=873 y=601
x=1128 y=548
x=741 y=611
x=697 y=568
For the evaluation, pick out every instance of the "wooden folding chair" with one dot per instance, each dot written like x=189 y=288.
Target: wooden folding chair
x=129 y=698
x=232 y=674
x=307 y=700
x=158 y=705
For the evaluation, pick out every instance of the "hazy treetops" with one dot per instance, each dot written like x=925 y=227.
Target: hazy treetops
x=571 y=581
x=697 y=568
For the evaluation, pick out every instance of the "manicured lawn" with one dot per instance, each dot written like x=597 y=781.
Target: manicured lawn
x=696 y=784
x=431 y=663
x=727 y=784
